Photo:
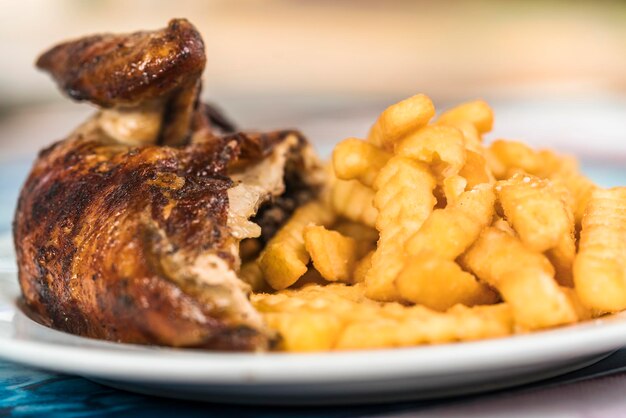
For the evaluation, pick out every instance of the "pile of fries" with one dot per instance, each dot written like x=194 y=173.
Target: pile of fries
x=427 y=235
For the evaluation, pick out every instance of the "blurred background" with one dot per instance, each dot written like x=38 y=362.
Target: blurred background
x=282 y=62
x=450 y=49
x=554 y=71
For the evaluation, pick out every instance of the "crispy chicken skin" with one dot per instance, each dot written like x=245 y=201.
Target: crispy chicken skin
x=135 y=243
x=112 y=70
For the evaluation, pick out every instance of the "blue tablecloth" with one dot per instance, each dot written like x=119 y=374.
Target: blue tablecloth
x=28 y=392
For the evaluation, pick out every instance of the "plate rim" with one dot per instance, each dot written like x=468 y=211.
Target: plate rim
x=134 y=362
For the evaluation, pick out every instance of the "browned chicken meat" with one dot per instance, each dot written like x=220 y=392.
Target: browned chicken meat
x=129 y=229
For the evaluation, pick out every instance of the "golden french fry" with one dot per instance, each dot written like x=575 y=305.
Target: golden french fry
x=333 y=254
x=475 y=171
x=400 y=119
x=536 y=210
x=353 y=201
x=403 y=194
x=439 y=284
x=386 y=264
x=440 y=146
x=305 y=331
x=524 y=279
x=354 y=159
x=515 y=156
x=504 y=226
x=362 y=267
x=600 y=266
x=496 y=167
x=480 y=322
x=562 y=258
x=452 y=189
x=419 y=325
x=579 y=186
x=473 y=140
x=340 y=317
x=477 y=112
x=582 y=312
x=404 y=199
x=284 y=259
x=450 y=231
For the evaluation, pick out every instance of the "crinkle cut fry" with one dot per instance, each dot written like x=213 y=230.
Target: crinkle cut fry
x=354 y=201
x=303 y=318
x=400 y=119
x=477 y=112
x=354 y=159
x=442 y=147
x=450 y=231
x=600 y=266
x=507 y=157
x=439 y=284
x=524 y=278
x=540 y=211
x=430 y=275
x=536 y=211
x=404 y=199
x=285 y=258
x=332 y=254
x=423 y=326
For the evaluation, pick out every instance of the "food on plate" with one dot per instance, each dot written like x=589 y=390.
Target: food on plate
x=338 y=316
x=129 y=229
x=474 y=240
x=157 y=222
x=600 y=266
x=332 y=253
x=284 y=259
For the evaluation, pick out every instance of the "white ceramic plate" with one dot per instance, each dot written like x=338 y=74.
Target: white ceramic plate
x=349 y=377
x=335 y=378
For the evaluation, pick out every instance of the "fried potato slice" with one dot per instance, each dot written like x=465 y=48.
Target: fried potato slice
x=523 y=277
x=562 y=258
x=475 y=170
x=401 y=119
x=536 y=210
x=583 y=312
x=450 y=231
x=404 y=199
x=442 y=147
x=354 y=159
x=579 y=186
x=362 y=267
x=452 y=189
x=515 y=156
x=430 y=276
x=419 y=325
x=354 y=201
x=600 y=266
x=471 y=136
x=333 y=254
x=403 y=194
x=439 y=284
x=285 y=258
x=306 y=331
x=476 y=112
x=337 y=316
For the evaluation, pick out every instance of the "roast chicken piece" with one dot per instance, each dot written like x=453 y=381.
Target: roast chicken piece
x=129 y=229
